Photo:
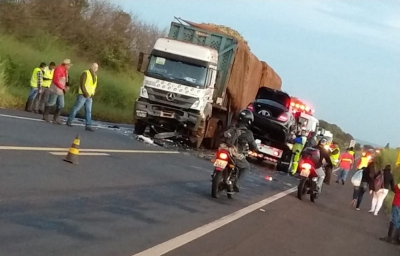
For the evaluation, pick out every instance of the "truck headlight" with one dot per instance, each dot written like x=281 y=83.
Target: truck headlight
x=196 y=104
x=143 y=93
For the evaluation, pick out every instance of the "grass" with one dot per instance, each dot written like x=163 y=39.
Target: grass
x=115 y=94
x=389 y=156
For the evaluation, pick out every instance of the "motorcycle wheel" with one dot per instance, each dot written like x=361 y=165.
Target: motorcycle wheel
x=216 y=182
x=301 y=188
x=313 y=195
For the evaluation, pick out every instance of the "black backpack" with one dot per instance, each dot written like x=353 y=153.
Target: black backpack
x=232 y=138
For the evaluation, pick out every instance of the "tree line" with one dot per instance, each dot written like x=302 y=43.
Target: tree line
x=92 y=27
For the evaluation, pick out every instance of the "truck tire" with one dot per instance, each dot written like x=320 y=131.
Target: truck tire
x=215 y=141
x=140 y=127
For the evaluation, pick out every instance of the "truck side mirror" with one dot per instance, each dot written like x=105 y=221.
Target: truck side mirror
x=140 y=65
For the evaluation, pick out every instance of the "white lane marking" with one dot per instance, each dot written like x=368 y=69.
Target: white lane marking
x=88 y=150
x=40 y=120
x=190 y=236
x=23 y=118
x=203 y=230
x=80 y=153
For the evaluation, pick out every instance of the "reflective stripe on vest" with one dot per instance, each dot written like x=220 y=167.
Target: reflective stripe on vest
x=47 y=74
x=34 y=78
x=347 y=160
x=89 y=85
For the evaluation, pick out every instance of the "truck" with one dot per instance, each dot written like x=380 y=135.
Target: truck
x=195 y=80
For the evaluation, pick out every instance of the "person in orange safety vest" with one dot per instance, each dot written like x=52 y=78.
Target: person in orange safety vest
x=346 y=161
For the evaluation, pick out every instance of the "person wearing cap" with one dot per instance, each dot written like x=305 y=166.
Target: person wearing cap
x=43 y=95
x=36 y=86
x=298 y=146
x=87 y=88
x=57 y=90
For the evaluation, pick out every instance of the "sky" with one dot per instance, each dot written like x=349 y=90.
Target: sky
x=341 y=56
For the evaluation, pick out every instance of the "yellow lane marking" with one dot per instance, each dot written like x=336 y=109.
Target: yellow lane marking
x=89 y=150
x=81 y=154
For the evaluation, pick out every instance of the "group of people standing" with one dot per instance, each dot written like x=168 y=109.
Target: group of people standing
x=378 y=183
x=49 y=84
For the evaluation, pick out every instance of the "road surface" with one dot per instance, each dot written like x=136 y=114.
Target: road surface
x=126 y=202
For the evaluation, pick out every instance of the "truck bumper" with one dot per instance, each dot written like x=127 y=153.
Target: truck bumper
x=155 y=113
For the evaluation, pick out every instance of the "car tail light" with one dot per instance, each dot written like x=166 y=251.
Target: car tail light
x=223 y=156
x=283 y=118
x=250 y=107
x=306 y=166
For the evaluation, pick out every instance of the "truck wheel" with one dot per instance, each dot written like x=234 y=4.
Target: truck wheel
x=215 y=141
x=140 y=127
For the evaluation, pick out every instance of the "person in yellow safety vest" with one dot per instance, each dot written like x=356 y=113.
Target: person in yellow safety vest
x=351 y=151
x=364 y=160
x=43 y=96
x=88 y=84
x=298 y=146
x=335 y=153
x=36 y=85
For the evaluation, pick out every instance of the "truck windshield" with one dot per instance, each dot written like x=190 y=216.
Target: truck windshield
x=178 y=71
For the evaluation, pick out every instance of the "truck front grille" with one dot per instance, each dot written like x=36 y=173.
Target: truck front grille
x=178 y=100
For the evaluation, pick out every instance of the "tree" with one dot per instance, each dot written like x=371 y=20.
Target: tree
x=387 y=146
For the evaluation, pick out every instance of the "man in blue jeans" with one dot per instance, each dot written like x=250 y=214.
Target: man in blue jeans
x=87 y=88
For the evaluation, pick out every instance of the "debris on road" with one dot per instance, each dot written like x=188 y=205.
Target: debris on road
x=262 y=210
x=145 y=139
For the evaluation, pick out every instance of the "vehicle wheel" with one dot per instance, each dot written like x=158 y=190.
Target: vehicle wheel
x=285 y=167
x=313 y=196
x=301 y=189
x=140 y=127
x=216 y=182
x=215 y=141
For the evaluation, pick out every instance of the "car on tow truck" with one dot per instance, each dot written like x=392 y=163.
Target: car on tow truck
x=273 y=126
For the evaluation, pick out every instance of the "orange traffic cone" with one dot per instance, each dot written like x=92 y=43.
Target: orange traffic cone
x=73 y=152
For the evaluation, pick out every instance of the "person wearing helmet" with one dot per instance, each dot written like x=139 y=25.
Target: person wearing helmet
x=298 y=146
x=237 y=139
x=324 y=155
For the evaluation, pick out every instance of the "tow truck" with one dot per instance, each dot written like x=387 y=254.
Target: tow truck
x=281 y=153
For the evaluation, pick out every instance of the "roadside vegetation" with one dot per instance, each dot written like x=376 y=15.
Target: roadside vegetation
x=84 y=31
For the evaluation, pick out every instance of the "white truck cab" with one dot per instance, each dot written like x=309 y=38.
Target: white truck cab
x=309 y=122
x=180 y=75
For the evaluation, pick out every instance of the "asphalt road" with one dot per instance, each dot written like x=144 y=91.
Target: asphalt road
x=107 y=205
x=125 y=203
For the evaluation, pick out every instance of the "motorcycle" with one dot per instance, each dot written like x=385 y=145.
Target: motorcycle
x=224 y=175
x=308 y=175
